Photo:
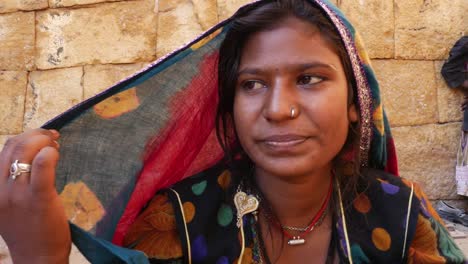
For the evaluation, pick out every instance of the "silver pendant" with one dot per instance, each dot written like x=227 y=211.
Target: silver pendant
x=296 y=241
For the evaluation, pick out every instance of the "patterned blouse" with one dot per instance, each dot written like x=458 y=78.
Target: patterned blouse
x=195 y=222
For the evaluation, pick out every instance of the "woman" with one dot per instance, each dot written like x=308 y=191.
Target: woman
x=302 y=177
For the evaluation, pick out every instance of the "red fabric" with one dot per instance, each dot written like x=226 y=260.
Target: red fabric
x=173 y=157
x=392 y=162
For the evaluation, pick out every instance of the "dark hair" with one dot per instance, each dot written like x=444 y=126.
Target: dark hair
x=265 y=16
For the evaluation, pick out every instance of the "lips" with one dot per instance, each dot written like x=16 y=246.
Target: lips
x=281 y=141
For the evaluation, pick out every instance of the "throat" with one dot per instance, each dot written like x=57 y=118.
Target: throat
x=275 y=247
x=294 y=204
x=296 y=235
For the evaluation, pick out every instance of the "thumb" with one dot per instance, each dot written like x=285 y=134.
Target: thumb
x=43 y=170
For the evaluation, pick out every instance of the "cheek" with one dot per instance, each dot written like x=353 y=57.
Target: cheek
x=237 y=117
x=241 y=117
x=246 y=108
x=331 y=117
x=246 y=113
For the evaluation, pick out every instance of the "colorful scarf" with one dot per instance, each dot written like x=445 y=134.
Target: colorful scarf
x=157 y=127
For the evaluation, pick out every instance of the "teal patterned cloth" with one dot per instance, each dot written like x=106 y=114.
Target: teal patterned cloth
x=157 y=127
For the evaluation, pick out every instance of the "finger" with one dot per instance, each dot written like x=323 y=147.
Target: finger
x=5 y=160
x=6 y=154
x=54 y=134
x=43 y=170
x=26 y=150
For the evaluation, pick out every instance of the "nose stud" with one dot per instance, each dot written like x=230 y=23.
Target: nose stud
x=293 y=112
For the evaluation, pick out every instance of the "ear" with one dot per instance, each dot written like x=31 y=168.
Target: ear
x=352 y=113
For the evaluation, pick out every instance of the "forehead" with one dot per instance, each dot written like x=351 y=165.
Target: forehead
x=291 y=42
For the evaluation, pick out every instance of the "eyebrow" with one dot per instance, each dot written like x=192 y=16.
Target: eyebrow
x=293 y=67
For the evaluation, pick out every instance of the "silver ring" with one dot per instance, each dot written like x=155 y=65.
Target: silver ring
x=17 y=168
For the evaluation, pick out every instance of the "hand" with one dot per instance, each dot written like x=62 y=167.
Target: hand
x=32 y=218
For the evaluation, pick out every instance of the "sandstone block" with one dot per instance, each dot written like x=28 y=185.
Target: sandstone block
x=409 y=91
x=12 y=89
x=448 y=100
x=76 y=257
x=17 y=41
x=25 y=5
x=375 y=22
x=182 y=20
x=336 y=2
x=427 y=154
x=3 y=139
x=120 y=32
x=50 y=93
x=65 y=3
x=428 y=29
x=227 y=8
x=99 y=77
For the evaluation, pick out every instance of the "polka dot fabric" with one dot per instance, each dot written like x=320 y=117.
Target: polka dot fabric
x=213 y=224
x=376 y=224
x=377 y=221
x=374 y=220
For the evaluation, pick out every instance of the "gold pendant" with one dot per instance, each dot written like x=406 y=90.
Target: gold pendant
x=296 y=241
x=245 y=204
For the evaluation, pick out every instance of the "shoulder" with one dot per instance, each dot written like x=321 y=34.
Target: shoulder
x=382 y=217
x=206 y=216
x=200 y=198
x=384 y=178
x=385 y=187
x=393 y=187
x=409 y=217
x=215 y=180
x=396 y=201
x=389 y=193
x=159 y=229
x=154 y=232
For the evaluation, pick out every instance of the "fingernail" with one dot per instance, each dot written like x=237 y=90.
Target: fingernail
x=54 y=132
x=57 y=144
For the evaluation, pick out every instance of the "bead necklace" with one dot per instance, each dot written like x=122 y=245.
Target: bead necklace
x=298 y=240
x=316 y=221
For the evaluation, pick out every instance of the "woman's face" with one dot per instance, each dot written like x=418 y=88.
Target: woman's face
x=291 y=66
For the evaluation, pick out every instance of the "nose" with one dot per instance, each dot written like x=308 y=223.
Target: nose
x=281 y=99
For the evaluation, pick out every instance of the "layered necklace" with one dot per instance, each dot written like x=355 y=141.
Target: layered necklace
x=301 y=232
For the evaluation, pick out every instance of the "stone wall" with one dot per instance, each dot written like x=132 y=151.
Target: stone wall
x=72 y=49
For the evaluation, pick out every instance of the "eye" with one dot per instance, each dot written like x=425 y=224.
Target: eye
x=309 y=80
x=252 y=85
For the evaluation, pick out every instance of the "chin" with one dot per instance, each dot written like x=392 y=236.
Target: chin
x=293 y=167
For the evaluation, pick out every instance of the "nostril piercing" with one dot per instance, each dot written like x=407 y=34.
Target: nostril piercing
x=293 y=112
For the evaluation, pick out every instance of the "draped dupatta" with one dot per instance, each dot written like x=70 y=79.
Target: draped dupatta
x=157 y=127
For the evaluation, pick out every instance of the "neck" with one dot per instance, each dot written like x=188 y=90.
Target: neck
x=295 y=199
